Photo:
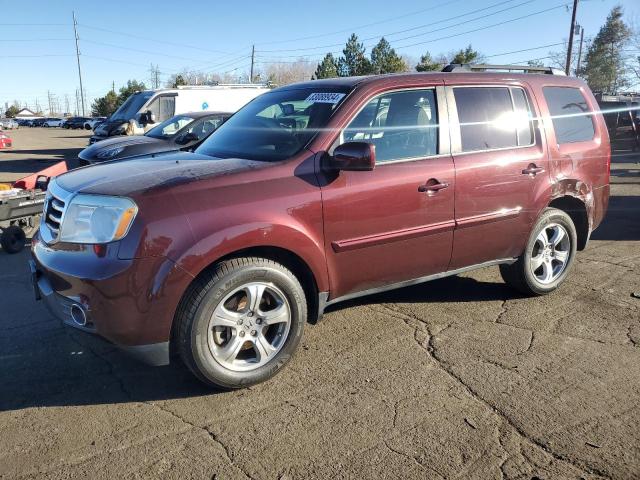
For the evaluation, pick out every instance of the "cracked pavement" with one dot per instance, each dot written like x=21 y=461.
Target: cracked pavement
x=457 y=378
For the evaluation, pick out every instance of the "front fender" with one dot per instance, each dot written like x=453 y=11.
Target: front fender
x=252 y=235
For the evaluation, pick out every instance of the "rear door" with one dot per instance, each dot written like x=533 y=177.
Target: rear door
x=502 y=179
x=394 y=223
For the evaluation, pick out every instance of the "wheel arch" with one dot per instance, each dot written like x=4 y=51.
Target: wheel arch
x=576 y=208
x=287 y=258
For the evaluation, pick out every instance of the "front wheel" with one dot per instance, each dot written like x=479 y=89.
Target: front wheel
x=241 y=323
x=548 y=256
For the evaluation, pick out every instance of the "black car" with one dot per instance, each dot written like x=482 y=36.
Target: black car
x=75 y=122
x=182 y=132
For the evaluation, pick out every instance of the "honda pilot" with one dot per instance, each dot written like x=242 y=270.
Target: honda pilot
x=318 y=192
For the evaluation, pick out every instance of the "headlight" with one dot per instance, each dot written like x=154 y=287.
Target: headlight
x=107 y=154
x=97 y=219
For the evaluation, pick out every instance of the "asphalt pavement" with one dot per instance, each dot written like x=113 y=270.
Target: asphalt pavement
x=457 y=378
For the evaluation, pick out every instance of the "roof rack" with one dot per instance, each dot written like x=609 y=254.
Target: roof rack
x=467 y=67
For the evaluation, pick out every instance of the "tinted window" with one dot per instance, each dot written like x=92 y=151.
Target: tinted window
x=486 y=118
x=524 y=126
x=401 y=125
x=275 y=125
x=570 y=114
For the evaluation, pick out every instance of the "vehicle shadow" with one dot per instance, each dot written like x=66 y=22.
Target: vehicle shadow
x=46 y=364
x=622 y=221
x=61 y=153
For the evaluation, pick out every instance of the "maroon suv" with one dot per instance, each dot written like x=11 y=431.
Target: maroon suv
x=318 y=192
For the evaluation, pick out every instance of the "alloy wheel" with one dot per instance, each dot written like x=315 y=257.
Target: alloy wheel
x=550 y=255
x=249 y=326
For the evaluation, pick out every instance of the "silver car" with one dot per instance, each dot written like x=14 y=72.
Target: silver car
x=9 y=124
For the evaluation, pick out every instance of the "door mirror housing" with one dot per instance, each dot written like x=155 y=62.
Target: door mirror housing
x=353 y=156
x=151 y=117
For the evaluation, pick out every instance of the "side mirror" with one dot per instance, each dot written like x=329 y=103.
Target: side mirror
x=151 y=117
x=353 y=156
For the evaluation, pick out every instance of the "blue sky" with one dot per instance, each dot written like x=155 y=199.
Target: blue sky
x=120 y=39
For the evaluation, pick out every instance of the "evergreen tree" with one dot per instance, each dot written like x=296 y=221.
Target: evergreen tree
x=132 y=86
x=468 y=55
x=384 y=59
x=105 y=106
x=354 y=62
x=179 y=81
x=427 y=64
x=604 y=68
x=11 y=112
x=328 y=68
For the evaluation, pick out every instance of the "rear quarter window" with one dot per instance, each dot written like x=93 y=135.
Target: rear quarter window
x=572 y=119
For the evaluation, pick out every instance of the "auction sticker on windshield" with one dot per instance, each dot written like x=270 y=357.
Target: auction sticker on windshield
x=328 y=97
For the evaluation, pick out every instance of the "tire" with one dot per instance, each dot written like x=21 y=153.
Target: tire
x=228 y=355
x=87 y=126
x=13 y=239
x=548 y=256
x=66 y=127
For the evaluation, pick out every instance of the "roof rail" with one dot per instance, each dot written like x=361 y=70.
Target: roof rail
x=216 y=84
x=467 y=67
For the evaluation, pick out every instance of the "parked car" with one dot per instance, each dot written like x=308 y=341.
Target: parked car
x=9 y=124
x=92 y=123
x=23 y=122
x=5 y=140
x=182 y=132
x=38 y=122
x=53 y=122
x=223 y=255
x=155 y=106
x=623 y=124
x=75 y=122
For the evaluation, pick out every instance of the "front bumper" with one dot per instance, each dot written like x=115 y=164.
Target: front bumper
x=129 y=303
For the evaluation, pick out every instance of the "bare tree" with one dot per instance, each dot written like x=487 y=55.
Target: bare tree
x=281 y=73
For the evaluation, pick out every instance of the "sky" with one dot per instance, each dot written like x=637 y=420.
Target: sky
x=119 y=40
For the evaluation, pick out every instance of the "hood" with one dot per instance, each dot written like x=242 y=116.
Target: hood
x=109 y=127
x=131 y=146
x=142 y=174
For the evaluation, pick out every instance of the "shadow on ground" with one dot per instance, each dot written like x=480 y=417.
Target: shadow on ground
x=622 y=221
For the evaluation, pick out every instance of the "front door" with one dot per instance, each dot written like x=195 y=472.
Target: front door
x=502 y=175
x=394 y=223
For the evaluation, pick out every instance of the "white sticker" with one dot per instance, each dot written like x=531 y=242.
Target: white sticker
x=320 y=97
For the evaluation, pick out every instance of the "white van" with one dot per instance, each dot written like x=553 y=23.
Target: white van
x=150 y=107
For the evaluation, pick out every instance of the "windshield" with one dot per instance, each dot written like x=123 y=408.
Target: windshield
x=169 y=127
x=275 y=125
x=131 y=106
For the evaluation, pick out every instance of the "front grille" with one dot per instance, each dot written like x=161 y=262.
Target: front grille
x=53 y=214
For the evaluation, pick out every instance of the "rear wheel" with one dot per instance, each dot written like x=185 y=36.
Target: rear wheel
x=241 y=324
x=548 y=256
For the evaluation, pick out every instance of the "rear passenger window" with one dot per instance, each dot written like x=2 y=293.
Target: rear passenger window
x=401 y=125
x=493 y=117
x=570 y=114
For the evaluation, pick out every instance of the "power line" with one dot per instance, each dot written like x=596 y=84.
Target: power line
x=155 y=40
x=389 y=34
x=486 y=27
x=351 y=29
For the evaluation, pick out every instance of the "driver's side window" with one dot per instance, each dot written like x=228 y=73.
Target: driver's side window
x=401 y=125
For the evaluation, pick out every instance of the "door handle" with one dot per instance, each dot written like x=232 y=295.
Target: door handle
x=433 y=188
x=532 y=170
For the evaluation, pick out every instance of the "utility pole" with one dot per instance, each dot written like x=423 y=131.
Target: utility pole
x=113 y=86
x=580 y=49
x=77 y=103
x=49 y=98
x=66 y=103
x=567 y=68
x=253 y=57
x=75 y=31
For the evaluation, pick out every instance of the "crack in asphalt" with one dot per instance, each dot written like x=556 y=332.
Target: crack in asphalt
x=121 y=383
x=421 y=465
x=431 y=350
